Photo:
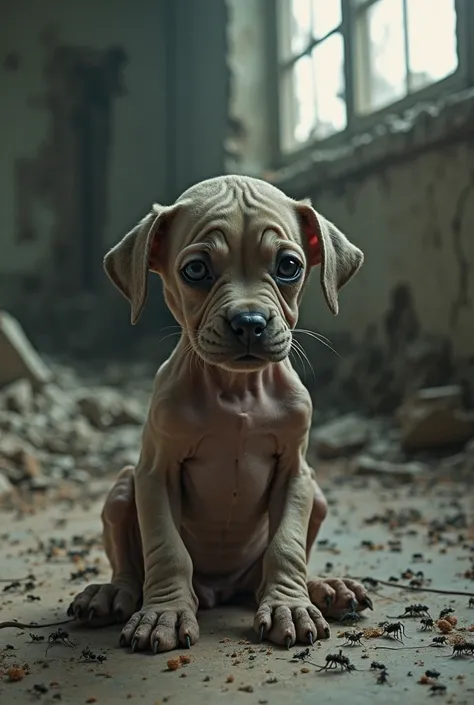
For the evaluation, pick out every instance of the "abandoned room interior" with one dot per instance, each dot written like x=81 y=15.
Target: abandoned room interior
x=366 y=107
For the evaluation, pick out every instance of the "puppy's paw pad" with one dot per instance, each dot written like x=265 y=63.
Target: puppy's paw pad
x=336 y=597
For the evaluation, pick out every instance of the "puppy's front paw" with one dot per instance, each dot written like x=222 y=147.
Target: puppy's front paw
x=160 y=628
x=285 y=622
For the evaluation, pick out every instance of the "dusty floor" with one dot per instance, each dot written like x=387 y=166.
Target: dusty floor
x=227 y=664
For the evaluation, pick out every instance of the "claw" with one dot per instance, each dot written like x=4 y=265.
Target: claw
x=122 y=641
x=367 y=602
x=327 y=632
x=70 y=610
x=353 y=605
x=156 y=646
x=78 y=613
x=328 y=601
x=134 y=644
x=91 y=614
x=310 y=638
x=187 y=641
x=261 y=633
x=288 y=642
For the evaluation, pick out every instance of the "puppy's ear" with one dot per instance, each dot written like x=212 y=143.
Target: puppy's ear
x=127 y=264
x=340 y=260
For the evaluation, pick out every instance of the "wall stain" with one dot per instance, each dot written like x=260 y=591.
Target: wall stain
x=462 y=298
x=69 y=174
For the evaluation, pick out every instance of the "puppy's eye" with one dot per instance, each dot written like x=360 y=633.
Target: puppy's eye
x=289 y=269
x=196 y=272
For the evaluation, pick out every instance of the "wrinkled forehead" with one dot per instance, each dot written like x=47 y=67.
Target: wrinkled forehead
x=242 y=209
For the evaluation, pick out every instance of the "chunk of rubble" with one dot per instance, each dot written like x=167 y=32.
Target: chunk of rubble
x=341 y=437
x=18 y=397
x=367 y=466
x=105 y=407
x=434 y=418
x=6 y=488
x=19 y=360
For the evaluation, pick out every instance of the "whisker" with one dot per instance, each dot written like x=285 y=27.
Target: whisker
x=297 y=355
x=303 y=353
x=311 y=334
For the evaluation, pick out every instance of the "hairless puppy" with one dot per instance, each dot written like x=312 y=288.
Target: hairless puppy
x=222 y=500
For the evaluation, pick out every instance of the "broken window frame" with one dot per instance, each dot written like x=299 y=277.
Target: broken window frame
x=358 y=122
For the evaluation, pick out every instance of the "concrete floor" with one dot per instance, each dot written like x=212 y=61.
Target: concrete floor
x=226 y=665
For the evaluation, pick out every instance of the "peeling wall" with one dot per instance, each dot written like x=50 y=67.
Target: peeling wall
x=43 y=46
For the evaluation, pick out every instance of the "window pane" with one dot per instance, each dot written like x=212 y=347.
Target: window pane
x=326 y=16
x=300 y=25
x=432 y=42
x=300 y=104
x=386 y=53
x=328 y=61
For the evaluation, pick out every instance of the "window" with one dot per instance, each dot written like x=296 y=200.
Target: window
x=343 y=60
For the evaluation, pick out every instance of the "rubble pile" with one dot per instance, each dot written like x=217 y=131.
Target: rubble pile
x=431 y=428
x=55 y=425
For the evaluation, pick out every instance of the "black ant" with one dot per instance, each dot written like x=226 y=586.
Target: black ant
x=444 y=613
x=471 y=602
x=376 y=665
x=439 y=641
x=36 y=637
x=302 y=655
x=395 y=629
x=59 y=637
x=88 y=655
x=438 y=688
x=427 y=623
x=415 y=611
x=353 y=638
x=432 y=674
x=335 y=660
x=463 y=649
x=382 y=677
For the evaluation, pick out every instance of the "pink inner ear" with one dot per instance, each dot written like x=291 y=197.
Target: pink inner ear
x=313 y=243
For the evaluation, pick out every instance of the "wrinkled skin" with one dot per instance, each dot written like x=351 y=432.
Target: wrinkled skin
x=222 y=501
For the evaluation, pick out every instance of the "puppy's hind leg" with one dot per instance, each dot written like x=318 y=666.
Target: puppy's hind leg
x=115 y=602
x=333 y=596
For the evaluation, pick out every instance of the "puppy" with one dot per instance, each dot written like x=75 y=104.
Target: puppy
x=222 y=500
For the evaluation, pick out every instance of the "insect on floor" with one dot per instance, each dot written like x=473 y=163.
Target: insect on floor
x=227 y=665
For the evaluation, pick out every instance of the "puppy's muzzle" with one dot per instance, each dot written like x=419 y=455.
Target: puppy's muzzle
x=249 y=327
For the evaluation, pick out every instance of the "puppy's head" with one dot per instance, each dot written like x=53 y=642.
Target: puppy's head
x=234 y=254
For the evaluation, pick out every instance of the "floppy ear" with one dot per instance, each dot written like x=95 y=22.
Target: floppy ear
x=127 y=264
x=340 y=260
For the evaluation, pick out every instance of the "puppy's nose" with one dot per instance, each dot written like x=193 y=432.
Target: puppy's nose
x=248 y=326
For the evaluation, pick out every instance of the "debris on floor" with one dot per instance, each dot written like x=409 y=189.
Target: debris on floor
x=341 y=436
x=435 y=417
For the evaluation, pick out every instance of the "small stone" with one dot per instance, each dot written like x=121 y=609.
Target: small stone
x=435 y=418
x=366 y=466
x=340 y=437
x=6 y=488
x=18 y=396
